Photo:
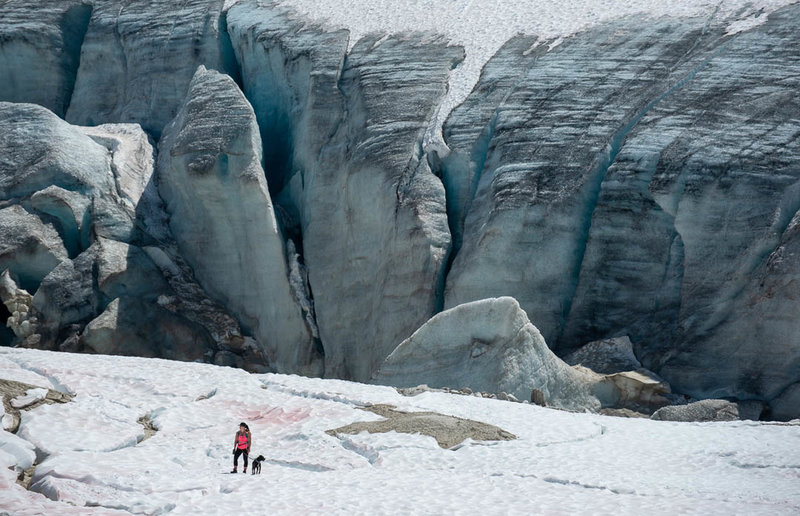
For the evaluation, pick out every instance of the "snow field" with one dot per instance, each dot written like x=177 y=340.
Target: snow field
x=92 y=456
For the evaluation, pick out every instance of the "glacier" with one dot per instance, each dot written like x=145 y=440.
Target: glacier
x=299 y=187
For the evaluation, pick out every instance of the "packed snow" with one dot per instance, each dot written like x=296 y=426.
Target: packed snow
x=483 y=26
x=92 y=456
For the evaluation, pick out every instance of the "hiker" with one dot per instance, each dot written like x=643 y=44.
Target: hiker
x=241 y=446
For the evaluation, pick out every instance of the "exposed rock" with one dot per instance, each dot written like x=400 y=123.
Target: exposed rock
x=606 y=356
x=371 y=213
x=489 y=346
x=149 y=428
x=704 y=410
x=786 y=406
x=640 y=390
x=40 y=47
x=464 y=391
x=18 y=302
x=119 y=331
x=221 y=214
x=139 y=57
x=622 y=412
x=191 y=301
x=12 y=390
x=537 y=398
x=447 y=430
x=29 y=248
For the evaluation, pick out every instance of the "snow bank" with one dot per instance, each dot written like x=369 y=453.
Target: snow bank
x=92 y=462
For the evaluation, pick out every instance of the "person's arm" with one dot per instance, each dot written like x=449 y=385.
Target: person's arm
x=249 y=441
x=235 y=441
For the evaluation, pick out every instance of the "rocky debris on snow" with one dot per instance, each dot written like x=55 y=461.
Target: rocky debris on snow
x=18 y=396
x=537 y=398
x=30 y=397
x=222 y=217
x=149 y=428
x=488 y=345
x=448 y=431
x=704 y=410
x=622 y=412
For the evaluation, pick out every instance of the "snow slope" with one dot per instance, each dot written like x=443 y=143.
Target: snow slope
x=92 y=459
x=482 y=26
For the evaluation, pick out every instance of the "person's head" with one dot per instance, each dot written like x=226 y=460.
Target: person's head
x=243 y=427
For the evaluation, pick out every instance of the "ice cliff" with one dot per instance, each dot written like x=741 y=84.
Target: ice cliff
x=249 y=184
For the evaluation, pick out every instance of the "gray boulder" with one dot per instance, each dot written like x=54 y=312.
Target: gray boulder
x=17 y=303
x=138 y=58
x=606 y=356
x=40 y=48
x=29 y=248
x=221 y=214
x=702 y=411
x=491 y=346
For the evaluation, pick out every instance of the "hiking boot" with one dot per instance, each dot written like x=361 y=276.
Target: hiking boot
x=244 y=471
x=234 y=471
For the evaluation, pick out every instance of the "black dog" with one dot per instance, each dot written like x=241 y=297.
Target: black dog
x=256 y=467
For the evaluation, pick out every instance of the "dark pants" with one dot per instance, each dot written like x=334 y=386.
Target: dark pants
x=236 y=458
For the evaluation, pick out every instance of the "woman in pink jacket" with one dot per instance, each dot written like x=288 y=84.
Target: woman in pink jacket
x=241 y=446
